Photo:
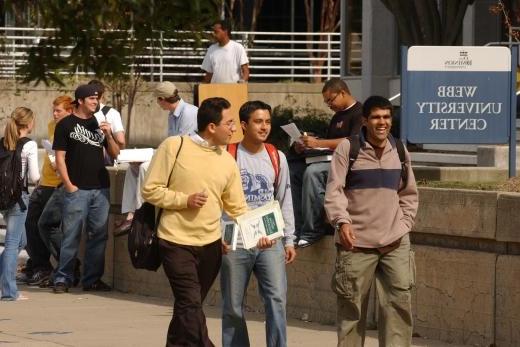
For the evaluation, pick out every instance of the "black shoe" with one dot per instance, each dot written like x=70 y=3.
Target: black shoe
x=46 y=284
x=38 y=278
x=60 y=288
x=98 y=286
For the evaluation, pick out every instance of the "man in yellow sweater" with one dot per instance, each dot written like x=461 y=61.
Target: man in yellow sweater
x=204 y=181
x=37 y=247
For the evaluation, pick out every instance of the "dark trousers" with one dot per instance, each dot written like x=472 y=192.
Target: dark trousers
x=191 y=271
x=36 y=247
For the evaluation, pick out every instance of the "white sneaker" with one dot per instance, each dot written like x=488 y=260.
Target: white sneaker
x=303 y=243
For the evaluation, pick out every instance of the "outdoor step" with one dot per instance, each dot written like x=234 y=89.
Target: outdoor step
x=444 y=158
x=450 y=148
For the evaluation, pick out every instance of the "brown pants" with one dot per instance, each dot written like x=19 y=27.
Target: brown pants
x=191 y=271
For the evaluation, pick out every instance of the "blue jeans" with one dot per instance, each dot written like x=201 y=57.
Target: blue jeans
x=49 y=223
x=308 y=183
x=269 y=268
x=89 y=207
x=15 y=241
x=36 y=247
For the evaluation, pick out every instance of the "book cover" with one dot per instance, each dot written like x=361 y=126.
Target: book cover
x=264 y=221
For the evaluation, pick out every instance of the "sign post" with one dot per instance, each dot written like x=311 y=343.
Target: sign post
x=460 y=95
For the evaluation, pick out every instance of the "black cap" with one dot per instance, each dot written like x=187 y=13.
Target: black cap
x=84 y=91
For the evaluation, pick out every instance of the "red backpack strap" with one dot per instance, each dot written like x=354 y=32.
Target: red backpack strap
x=232 y=148
x=275 y=160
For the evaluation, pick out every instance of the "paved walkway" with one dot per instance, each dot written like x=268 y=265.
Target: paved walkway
x=118 y=319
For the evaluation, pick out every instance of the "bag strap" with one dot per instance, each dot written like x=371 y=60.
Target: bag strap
x=19 y=147
x=275 y=160
x=355 y=145
x=402 y=158
x=232 y=149
x=158 y=219
x=105 y=110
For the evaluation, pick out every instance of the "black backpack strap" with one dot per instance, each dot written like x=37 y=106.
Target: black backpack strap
x=355 y=145
x=402 y=158
x=105 y=110
x=168 y=184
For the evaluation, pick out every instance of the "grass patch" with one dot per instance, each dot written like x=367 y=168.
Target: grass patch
x=511 y=185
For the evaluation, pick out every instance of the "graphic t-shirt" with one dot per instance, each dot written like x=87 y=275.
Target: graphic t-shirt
x=346 y=123
x=258 y=177
x=83 y=142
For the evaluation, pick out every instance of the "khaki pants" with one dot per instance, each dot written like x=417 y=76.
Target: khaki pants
x=394 y=274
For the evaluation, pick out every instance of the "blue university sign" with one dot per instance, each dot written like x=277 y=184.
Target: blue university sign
x=457 y=94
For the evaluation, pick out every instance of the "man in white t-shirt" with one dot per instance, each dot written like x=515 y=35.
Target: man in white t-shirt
x=225 y=61
x=110 y=115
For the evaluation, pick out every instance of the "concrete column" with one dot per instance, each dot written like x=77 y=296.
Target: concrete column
x=468 y=27
x=379 y=51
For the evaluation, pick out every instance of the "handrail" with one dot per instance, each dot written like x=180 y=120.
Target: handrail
x=273 y=55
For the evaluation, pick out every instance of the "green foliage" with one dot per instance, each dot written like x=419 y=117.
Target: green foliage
x=428 y=22
x=106 y=37
x=306 y=119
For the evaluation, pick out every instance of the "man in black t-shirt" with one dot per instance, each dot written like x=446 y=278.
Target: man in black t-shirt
x=308 y=182
x=79 y=142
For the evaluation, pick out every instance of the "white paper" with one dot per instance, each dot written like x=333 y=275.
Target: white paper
x=292 y=130
x=47 y=145
x=263 y=221
x=318 y=159
x=137 y=155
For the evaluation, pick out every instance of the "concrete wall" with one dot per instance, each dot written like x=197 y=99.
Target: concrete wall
x=149 y=122
x=467 y=290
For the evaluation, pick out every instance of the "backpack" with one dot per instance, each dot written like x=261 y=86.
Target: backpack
x=108 y=160
x=11 y=182
x=143 y=243
x=232 y=148
x=355 y=145
x=105 y=110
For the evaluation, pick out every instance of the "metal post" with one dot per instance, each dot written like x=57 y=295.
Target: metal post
x=329 y=48
x=344 y=53
x=512 y=130
x=404 y=92
x=14 y=58
x=292 y=39
x=161 y=58
x=152 y=53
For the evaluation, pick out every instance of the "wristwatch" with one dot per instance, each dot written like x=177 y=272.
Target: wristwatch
x=337 y=227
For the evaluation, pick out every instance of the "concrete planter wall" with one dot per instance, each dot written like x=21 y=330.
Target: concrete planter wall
x=467 y=246
x=149 y=122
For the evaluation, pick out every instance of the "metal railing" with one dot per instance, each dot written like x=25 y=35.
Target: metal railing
x=273 y=56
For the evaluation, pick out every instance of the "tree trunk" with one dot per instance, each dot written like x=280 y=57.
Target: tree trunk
x=257 y=8
x=329 y=22
x=428 y=22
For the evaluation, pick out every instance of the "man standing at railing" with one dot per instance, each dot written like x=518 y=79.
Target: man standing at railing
x=225 y=61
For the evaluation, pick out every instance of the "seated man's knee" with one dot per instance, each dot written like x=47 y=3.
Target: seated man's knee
x=316 y=173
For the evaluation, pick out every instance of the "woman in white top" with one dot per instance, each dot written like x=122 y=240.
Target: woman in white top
x=19 y=125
